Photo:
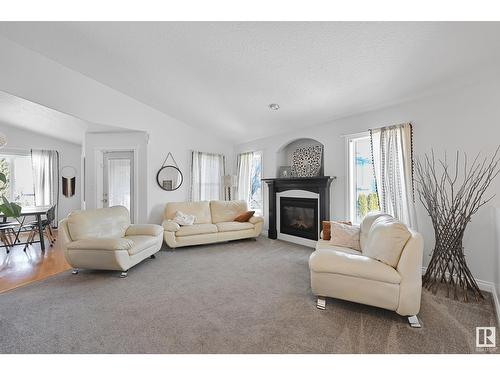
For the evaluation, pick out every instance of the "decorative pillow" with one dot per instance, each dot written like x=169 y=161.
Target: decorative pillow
x=345 y=235
x=386 y=240
x=244 y=217
x=183 y=219
x=326 y=228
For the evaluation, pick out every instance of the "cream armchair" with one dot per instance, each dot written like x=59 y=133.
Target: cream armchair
x=104 y=239
x=347 y=274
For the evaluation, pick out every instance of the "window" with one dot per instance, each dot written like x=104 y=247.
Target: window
x=362 y=192
x=250 y=179
x=18 y=170
x=207 y=171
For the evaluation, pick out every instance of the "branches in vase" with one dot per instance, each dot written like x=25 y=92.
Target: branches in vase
x=451 y=193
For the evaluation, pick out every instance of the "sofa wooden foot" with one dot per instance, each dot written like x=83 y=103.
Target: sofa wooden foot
x=414 y=322
x=321 y=303
x=123 y=274
x=153 y=256
x=75 y=271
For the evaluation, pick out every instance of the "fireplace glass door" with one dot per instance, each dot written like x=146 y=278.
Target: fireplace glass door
x=299 y=217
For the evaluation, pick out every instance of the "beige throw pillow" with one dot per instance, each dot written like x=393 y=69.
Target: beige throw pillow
x=386 y=239
x=344 y=235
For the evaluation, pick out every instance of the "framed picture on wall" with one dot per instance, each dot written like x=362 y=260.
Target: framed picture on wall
x=285 y=172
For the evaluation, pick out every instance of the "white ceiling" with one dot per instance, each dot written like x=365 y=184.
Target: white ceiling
x=37 y=118
x=221 y=76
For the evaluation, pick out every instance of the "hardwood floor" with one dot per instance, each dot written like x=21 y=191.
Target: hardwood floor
x=19 y=268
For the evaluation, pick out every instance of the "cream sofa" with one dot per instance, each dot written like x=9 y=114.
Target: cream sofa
x=347 y=274
x=214 y=223
x=104 y=239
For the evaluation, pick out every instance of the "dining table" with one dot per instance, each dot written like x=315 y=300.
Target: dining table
x=37 y=212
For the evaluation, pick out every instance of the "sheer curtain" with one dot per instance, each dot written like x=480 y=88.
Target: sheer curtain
x=46 y=178
x=206 y=176
x=392 y=153
x=245 y=162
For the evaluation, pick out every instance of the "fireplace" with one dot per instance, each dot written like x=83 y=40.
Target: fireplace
x=299 y=217
x=285 y=188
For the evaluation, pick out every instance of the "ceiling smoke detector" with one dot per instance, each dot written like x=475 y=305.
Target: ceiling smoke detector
x=274 y=106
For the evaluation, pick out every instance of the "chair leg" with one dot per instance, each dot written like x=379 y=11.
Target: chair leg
x=54 y=237
x=75 y=271
x=321 y=303
x=123 y=274
x=153 y=256
x=49 y=236
x=29 y=239
x=414 y=322
x=5 y=240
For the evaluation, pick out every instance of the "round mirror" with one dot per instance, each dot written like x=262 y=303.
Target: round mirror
x=169 y=178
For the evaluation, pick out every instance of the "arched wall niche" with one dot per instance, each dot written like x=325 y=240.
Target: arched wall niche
x=285 y=152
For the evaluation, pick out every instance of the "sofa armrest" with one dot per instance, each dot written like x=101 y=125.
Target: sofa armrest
x=170 y=225
x=109 y=244
x=144 y=230
x=256 y=219
x=410 y=269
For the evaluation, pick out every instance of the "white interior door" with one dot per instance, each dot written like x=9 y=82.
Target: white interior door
x=118 y=180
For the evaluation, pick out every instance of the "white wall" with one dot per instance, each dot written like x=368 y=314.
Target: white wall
x=69 y=155
x=465 y=119
x=34 y=77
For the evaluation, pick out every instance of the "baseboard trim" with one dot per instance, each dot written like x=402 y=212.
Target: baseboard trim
x=496 y=300
x=486 y=286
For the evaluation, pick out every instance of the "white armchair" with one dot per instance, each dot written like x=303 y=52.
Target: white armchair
x=347 y=274
x=104 y=239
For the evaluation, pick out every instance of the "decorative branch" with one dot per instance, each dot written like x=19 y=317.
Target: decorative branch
x=451 y=195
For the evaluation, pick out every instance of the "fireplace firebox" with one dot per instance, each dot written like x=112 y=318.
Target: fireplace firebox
x=299 y=217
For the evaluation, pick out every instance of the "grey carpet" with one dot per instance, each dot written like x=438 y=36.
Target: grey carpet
x=238 y=297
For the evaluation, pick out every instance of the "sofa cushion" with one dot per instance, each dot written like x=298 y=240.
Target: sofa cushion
x=109 y=222
x=360 y=266
x=344 y=235
x=224 y=211
x=324 y=244
x=230 y=226
x=101 y=244
x=386 y=240
x=200 y=210
x=366 y=224
x=191 y=230
x=140 y=243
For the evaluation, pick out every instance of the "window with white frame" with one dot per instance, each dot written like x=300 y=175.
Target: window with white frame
x=361 y=184
x=250 y=180
x=18 y=169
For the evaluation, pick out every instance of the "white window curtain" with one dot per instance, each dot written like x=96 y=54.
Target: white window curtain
x=206 y=176
x=245 y=162
x=392 y=152
x=46 y=178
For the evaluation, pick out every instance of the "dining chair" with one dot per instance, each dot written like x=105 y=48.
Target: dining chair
x=8 y=234
x=32 y=226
